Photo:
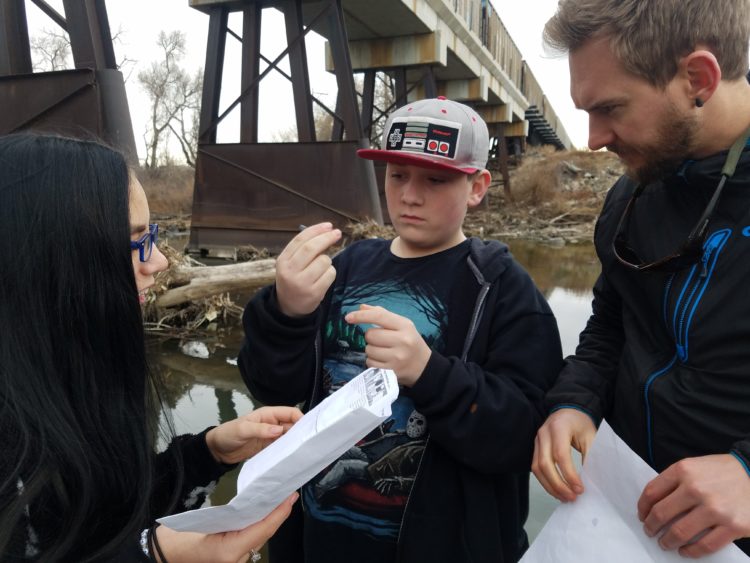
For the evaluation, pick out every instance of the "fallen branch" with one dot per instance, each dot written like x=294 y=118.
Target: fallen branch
x=198 y=282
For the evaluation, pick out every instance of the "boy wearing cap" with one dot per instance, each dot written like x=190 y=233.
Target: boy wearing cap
x=472 y=341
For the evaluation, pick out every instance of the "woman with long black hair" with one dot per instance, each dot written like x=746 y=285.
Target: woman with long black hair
x=79 y=477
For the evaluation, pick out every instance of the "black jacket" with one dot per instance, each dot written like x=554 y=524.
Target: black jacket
x=199 y=473
x=482 y=400
x=665 y=358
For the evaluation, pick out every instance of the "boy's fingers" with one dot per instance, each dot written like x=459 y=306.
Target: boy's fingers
x=324 y=281
x=536 y=467
x=572 y=481
x=376 y=354
x=379 y=338
x=542 y=465
x=317 y=268
x=304 y=237
x=310 y=233
x=301 y=255
x=547 y=468
x=368 y=314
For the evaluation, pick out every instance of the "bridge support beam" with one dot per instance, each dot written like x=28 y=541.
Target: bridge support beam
x=472 y=90
x=430 y=49
x=254 y=193
x=15 y=53
x=91 y=98
x=382 y=54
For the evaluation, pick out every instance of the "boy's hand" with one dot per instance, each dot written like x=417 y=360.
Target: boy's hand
x=393 y=344
x=552 y=463
x=304 y=272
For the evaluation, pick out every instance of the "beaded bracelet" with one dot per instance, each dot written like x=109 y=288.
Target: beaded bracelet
x=144 y=542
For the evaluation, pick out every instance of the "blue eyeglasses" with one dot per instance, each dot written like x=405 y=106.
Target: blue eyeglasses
x=145 y=244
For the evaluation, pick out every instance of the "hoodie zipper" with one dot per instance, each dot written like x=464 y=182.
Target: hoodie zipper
x=471 y=333
x=316 y=346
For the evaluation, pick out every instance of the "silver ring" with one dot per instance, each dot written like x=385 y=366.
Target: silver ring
x=254 y=556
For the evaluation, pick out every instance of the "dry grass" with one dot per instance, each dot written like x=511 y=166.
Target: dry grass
x=557 y=196
x=169 y=189
x=560 y=180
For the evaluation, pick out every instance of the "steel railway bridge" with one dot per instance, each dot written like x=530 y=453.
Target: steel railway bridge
x=252 y=193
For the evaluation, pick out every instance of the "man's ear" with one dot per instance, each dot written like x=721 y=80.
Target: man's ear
x=704 y=74
x=479 y=187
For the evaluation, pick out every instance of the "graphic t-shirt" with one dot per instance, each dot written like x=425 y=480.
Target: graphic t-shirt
x=354 y=507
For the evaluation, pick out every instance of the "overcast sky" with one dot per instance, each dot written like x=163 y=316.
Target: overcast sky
x=141 y=21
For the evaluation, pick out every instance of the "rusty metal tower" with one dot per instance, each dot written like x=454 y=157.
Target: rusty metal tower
x=260 y=193
x=89 y=100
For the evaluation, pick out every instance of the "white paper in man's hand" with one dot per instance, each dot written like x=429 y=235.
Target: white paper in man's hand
x=602 y=524
x=316 y=440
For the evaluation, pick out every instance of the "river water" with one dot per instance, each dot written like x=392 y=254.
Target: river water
x=203 y=392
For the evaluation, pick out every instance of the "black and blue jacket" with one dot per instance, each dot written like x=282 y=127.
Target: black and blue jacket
x=665 y=358
x=483 y=399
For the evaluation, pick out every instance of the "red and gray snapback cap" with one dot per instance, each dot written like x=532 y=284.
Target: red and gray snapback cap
x=435 y=133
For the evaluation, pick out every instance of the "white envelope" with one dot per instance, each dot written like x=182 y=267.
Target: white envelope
x=316 y=440
x=602 y=524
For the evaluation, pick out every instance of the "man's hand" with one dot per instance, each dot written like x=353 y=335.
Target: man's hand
x=393 y=344
x=304 y=272
x=245 y=436
x=553 y=462
x=706 y=497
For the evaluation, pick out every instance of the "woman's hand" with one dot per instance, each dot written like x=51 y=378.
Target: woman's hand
x=245 y=436
x=229 y=547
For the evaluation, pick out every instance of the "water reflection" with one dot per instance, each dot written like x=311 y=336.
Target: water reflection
x=573 y=267
x=205 y=392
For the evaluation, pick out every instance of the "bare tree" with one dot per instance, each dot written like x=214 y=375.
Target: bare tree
x=50 y=51
x=124 y=64
x=174 y=98
x=384 y=99
x=185 y=125
x=323 y=125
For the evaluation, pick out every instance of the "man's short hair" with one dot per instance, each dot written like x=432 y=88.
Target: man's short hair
x=650 y=36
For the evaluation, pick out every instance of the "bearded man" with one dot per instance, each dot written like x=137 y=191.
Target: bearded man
x=665 y=356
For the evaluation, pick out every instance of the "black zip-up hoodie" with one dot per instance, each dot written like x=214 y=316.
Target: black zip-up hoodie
x=482 y=399
x=665 y=357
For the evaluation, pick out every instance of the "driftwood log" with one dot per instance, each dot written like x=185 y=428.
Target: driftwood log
x=189 y=283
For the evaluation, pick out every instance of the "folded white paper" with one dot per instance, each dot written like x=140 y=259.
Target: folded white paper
x=602 y=524
x=316 y=440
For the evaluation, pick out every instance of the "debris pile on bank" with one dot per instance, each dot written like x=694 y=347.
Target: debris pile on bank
x=556 y=197
x=189 y=315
